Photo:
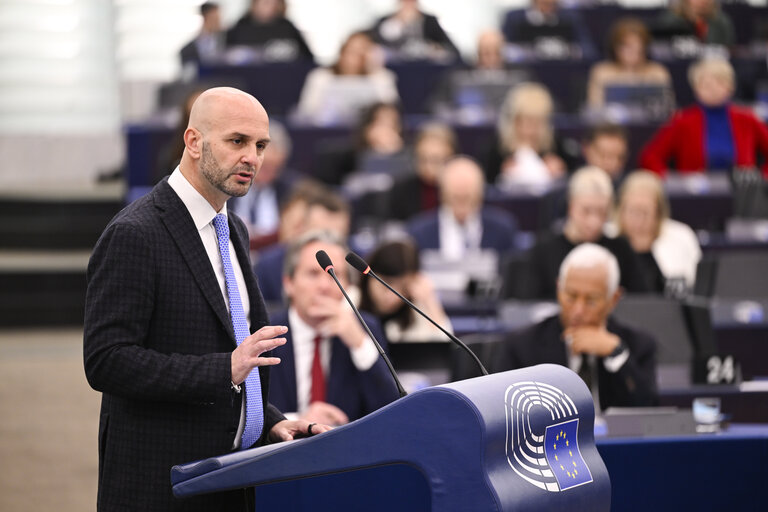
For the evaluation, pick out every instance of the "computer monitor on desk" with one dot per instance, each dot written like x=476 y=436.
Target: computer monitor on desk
x=683 y=333
x=640 y=101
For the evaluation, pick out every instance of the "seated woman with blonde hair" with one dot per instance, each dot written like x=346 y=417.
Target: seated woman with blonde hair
x=526 y=151
x=668 y=249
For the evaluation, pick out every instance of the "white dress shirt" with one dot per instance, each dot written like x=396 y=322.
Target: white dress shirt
x=456 y=239
x=303 y=339
x=202 y=215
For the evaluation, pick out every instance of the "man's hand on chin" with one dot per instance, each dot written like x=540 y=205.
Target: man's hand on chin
x=288 y=430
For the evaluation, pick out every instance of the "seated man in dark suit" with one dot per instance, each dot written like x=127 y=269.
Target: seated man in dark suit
x=209 y=43
x=590 y=199
x=462 y=224
x=330 y=370
x=311 y=206
x=543 y=21
x=616 y=361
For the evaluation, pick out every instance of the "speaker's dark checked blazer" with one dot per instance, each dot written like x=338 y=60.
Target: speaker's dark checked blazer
x=157 y=344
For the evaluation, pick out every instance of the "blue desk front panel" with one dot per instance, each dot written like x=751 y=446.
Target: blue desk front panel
x=717 y=472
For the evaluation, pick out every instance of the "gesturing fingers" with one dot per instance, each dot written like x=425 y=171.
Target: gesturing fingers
x=248 y=354
x=267 y=332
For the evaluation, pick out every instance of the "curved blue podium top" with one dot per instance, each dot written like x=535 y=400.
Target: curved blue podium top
x=519 y=440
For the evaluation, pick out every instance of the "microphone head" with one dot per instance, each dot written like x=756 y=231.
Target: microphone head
x=324 y=260
x=357 y=262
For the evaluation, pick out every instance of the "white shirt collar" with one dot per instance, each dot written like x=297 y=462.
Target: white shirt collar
x=300 y=330
x=199 y=208
x=473 y=224
x=455 y=238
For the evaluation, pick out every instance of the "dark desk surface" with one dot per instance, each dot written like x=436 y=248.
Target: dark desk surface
x=714 y=472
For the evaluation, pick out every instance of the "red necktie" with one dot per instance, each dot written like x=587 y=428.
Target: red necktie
x=318 y=378
x=701 y=28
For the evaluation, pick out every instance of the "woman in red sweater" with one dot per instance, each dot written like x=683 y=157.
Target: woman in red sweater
x=713 y=134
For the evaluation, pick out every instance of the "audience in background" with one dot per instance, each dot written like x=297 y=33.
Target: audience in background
x=701 y=19
x=548 y=29
x=410 y=34
x=668 y=250
x=590 y=200
x=330 y=370
x=208 y=45
x=169 y=156
x=397 y=263
x=628 y=63
x=311 y=207
x=417 y=191
x=616 y=362
x=713 y=134
x=462 y=224
x=490 y=50
x=526 y=151
x=265 y=29
x=475 y=95
x=606 y=147
x=378 y=146
x=336 y=94
x=260 y=208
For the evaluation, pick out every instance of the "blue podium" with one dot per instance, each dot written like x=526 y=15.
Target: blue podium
x=519 y=440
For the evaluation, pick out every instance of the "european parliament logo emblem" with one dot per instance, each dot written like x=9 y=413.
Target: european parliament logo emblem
x=542 y=437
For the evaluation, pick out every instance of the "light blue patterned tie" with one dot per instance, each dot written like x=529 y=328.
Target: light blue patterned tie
x=254 y=408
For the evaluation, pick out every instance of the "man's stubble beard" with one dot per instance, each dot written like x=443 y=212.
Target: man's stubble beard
x=217 y=177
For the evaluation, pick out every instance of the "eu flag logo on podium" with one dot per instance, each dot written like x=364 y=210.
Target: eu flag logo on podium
x=561 y=448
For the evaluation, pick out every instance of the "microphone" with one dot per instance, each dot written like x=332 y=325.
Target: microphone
x=359 y=264
x=327 y=265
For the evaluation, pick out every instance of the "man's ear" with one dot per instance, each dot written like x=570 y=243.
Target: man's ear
x=617 y=295
x=287 y=286
x=193 y=141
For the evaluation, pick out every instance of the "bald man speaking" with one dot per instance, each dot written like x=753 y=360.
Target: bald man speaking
x=176 y=335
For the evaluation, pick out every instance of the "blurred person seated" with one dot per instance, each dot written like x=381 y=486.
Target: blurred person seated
x=269 y=34
x=607 y=147
x=668 y=250
x=474 y=95
x=378 y=147
x=713 y=134
x=526 y=152
x=590 y=200
x=417 y=191
x=397 y=263
x=702 y=20
x=462 y=224
x=311 y=207
x=260 y=207
x=629 y=66
x=330 y=370
x=169 y=156
x=335 y=95
x=208 y=44
x=552 y=32
x=617 y=362
x=410 y=34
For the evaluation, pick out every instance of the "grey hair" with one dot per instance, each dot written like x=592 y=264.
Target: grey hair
x=590 y=256
x=716 y=66
x=529 y=98
x=291 y=260
x=590 y=180
x=279 y=137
